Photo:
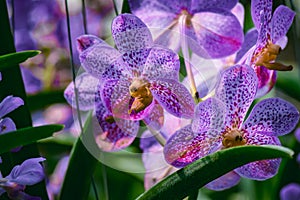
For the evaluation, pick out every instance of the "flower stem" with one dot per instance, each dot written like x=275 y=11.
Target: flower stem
x=160 y=139
x=186 y=56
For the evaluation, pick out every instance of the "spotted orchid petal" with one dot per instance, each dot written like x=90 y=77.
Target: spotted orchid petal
x=236 y=89
x=9 y=104
x=198 y=6
x=272 y=116
x=7 y=125
x=264 y=29
x=215 y=31
x=256 y=7
x=161 y=63
x=29 y=172
x=116 y=98
x=209 y=114
x=95 y=55
x=186 y=146
x=173 y=97
x=264 y=169
x=130 y=33
x=156 y=117
x=224 y=182
x=249 y=41
x=281 y=21
x=135 y=61
x=86 y=86
x=113 y=134
x=290 y=192
x=266 y=80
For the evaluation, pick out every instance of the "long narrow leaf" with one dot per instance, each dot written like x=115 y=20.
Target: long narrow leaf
x=26 y=136
x=203 y=171
x=13 y=59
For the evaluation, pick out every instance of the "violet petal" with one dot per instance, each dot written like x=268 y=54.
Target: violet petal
x=273 y=116
x=174 y=97
x=185 y=146
x=86 y=86
x=256 y=7
x=224 y=182
x=202 y=5
x=281 y=22
x=236 y=89
x=9 y=104
x=209 y=114
x=7 y=125
x=130 y=33
x=290 y=192
x=29 y=172
x=156 y=117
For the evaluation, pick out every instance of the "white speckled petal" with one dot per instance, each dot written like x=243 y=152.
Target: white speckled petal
x=273 y=116
x=86 y=88
x=236 y=89
x=130 y=33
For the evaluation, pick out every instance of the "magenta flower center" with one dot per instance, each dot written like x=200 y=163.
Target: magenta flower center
x=139 y=90
x=267 y=56
x=233 y=138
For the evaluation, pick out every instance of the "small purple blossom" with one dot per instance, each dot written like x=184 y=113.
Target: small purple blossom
x=219 y=123
x=29 y=172
x=208 y=27
x=270 y=40
x=290 y=192
x=7 y=105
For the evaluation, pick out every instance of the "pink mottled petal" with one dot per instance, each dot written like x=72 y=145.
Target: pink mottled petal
x=215 y=31
x=249 y=41
x=130 y=33
x=96 y=57
x=185 y=146
x=9 y=104
x=260 y=170
x=209 y=114
x=266 y=80
x=116 y=98
x=281 y=22
x=256 y=7
x=237 y=89
x=200 y=5
x=7 y=125
x=86 y=87
x=173 y=97
x=162 y=63
x=224 y=182
x=274 y=116
x=156 y=117
x=113 y=134
x=135 y=61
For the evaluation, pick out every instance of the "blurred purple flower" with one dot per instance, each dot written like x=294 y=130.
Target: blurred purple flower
x=270 y=40
x=7 y=105
x=297 y=134
x=218 y=124
x=290 y=192
x=208 y=27
x=29 y=172
x=56 y=179
x=32 y=84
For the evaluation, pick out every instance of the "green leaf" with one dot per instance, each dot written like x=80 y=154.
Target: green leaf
x=13 y=59
x=199 y=173
x=288 y=82
x=26 y=136
x=81 y=167
x=125 y=7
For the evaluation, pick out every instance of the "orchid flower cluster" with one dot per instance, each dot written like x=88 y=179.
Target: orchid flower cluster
x=139 y=82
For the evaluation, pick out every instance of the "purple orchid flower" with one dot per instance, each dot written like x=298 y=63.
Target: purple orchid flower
x=7 y=105
x=140 y=77
x=208 y=27
x=218 y=124
x=270 y=40
x=111 y=134
x=290 y=192
x=29 y=172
